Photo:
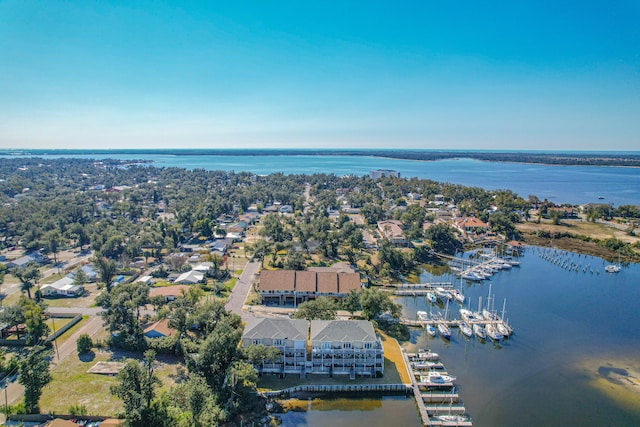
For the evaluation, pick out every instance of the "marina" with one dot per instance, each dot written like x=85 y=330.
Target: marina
x=434 y=390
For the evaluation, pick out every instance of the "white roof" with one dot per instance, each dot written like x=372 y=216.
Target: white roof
x=190 y=277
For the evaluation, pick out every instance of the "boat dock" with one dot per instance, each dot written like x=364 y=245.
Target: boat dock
x=419 y=289
x=435 y=400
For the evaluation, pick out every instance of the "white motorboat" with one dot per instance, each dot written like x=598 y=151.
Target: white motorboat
x=427 y=355
x=431 y=330
x=612 y=268
x=442 y=293
x=422 y=316
x=449 y=418
x=436 y=377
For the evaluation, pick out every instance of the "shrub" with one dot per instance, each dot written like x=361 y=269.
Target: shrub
x=84 y=344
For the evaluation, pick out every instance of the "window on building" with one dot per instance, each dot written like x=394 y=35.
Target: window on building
x=256 y=342
x=346 y=345
x=326 y=345
x=278 y=343
x=367 y=345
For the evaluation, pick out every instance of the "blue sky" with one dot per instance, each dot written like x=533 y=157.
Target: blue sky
x=236 y=74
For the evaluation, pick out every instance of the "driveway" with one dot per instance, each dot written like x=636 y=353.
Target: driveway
x=236 y=300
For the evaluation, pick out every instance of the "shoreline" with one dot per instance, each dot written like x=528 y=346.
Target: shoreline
x=599 y=159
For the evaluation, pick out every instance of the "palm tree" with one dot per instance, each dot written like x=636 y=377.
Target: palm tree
x=28 y=277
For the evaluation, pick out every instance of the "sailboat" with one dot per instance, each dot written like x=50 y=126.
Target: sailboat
x=466 y=329
x=478 y=329
x=444 y=330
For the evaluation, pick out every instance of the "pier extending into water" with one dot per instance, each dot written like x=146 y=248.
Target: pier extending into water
x=432 y=398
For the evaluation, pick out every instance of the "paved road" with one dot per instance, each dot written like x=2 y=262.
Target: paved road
x=236 y=300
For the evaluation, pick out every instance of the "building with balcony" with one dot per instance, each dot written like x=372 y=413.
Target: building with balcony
x=289 y=336
x=345 y=347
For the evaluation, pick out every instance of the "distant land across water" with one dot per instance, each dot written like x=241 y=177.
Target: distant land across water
x=567 y=158
x=574 y=184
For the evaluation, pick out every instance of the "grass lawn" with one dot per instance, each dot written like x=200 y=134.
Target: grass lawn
x=59 y=322
x=72 y=385
x=64 y=337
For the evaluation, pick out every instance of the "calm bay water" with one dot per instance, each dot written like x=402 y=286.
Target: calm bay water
x=571 y=330
x=560 y=184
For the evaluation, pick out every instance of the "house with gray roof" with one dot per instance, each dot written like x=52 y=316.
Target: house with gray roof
x=345 y=347
x=289 y=336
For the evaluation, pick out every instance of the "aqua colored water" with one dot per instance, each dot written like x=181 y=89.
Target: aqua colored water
x=560 y=184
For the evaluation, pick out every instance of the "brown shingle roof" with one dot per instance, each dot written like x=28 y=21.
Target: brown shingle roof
x=305 y=281
x=327 y=283
x=169 y=291
x=161 y=326
x=277 y=280
x=348 y=281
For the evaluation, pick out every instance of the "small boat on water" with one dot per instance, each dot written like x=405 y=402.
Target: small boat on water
x=481 y=334
x=472 y=276
x=458 y=296
x=450 y=418
x=422 y=315
x=431 y=330
x=427 y=365
x=442 y=293
x=432 y=298
x=466 y=329
x=436 y=377
x=612 y=268
x=493 y=333
x=503 y=329
x=444 y=330
x=427 y=355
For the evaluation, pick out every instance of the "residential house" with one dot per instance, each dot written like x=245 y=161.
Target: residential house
x=471 y=225
x=190 y=277
x=345 y=347
x=145 y=279
x=169 y=293
x=293 y=287
x=159 y=329
x=289 y=336
x=392 y=230
x=64 y=287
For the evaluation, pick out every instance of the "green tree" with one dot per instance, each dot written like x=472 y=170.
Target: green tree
x=28 y=277
x=257 y=354
x=136 y=388
x=34 y=320
x=53 y=240
x=34 y=375
x=351 y=302
x=321 y=308
x=106 y=269
x=294 y=261
x=13 y=315
x=374 y=302
x=84 y=344
x=443 y=239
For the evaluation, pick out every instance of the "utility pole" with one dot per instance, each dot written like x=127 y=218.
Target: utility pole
x=55 y=340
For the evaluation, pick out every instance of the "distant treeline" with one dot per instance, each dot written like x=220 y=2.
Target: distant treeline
x=550 y=158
